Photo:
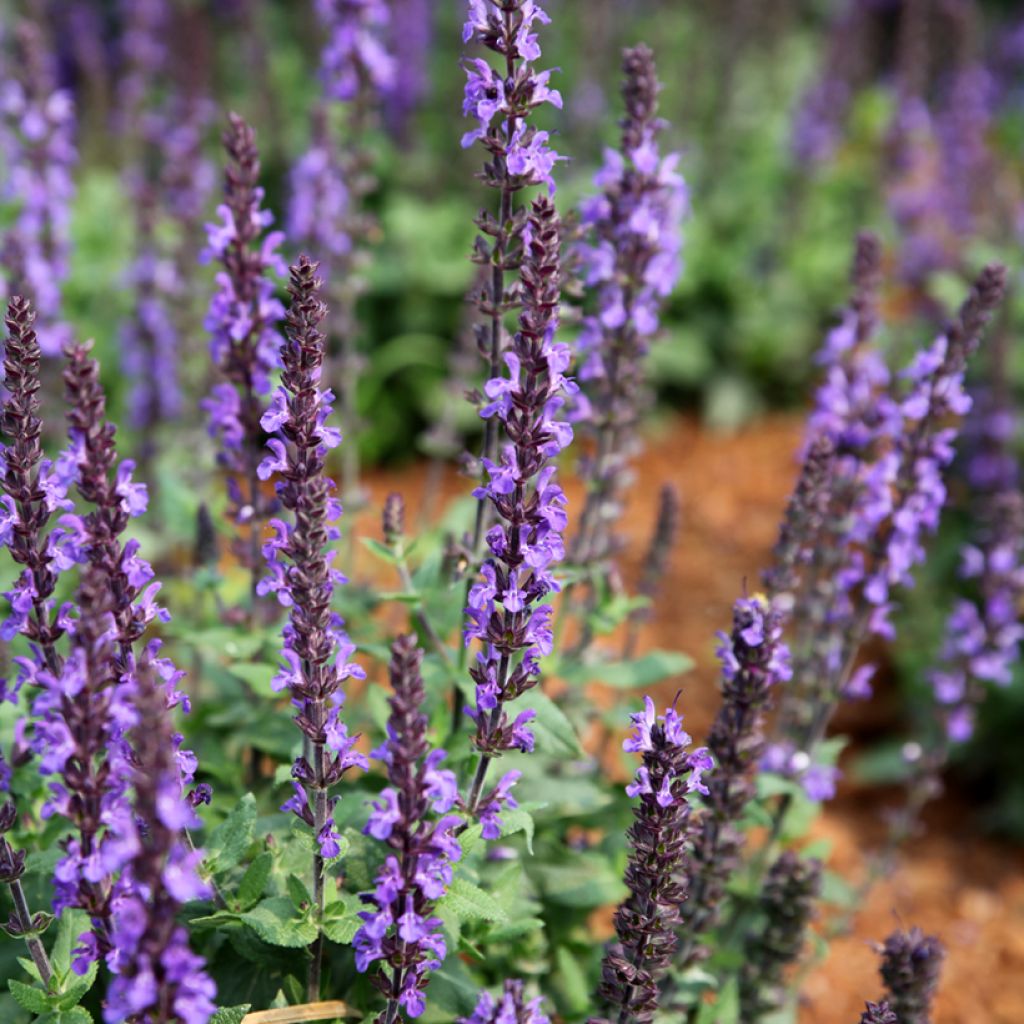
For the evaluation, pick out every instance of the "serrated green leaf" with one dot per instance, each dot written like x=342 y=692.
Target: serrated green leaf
x=72 y=924
x=470 y=903
x=254 y=881
x=75 y=1015
x=298 y=892
x=341 y=918
x=28 y=997
x=75 y=987
x=230 y=1014
x=274 y=920
x=554 y=732
x=231 y=838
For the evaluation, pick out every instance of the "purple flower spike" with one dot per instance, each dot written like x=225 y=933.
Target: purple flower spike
x=355 y=51
x=658 y=864
x=401 y=931
x=754 y=662
x=156 y=976
x=631 y=259
x=911 y=964
x=511 y=1007
x=242 y=321
x=316 y=647
x=504 y=609
x=37 y=124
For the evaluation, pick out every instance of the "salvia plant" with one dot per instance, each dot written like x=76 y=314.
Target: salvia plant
x=355 y=799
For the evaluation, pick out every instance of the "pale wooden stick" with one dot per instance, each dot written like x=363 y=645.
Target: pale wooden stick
x=296 y=1014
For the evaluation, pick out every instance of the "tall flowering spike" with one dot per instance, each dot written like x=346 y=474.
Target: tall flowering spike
x=878 y=1013
x=410 y=39
x=511 y=1007
x=37 y=123
x=34 y=490
x=316 y=648
x=631 y=259
x=355 y=54
x=242 y=321
x=658 y=867
x=754 y=661
x=81 y=715
x=786 y=903
x=801 y=526
x=505 y=610
x=911 y=965
x=412 y=817
x=502 y=101
x=157 y=978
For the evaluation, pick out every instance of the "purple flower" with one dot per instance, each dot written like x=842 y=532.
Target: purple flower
x=355 y=50
x=630 y=257
x=399 y=929
x=511 y=1007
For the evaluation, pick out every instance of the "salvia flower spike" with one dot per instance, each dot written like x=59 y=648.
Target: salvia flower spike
x=505 y=610
x=244 y=341
x=316 y=648
x=878 y=1013
x=787 y=900
x=658 y=867
x=755 y=660
x=511 y=1007
x=156 y=976
x=519 y=155
x=411 y=816
x=34 y=490
x=37 y=127
x=631 y=258
x=910 y=969
x=355 y=53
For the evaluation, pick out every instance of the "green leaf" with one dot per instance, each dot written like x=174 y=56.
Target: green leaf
x=72 y=924
x=644 y=672
x=382 y=551
x=231 y=838
x=554 y=732
x=230 y=1014
x=29 y=997
x=341 y=918
x=255 y=673
x=587 y=882
x=470 y=903
x=298 y=892
x=254 y=881
x=75 y=987
x=571 y=981
x=275 y=922
x=75 y=1015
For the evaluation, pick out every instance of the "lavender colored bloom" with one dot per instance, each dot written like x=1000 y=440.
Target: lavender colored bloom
x=401 y=930
x=355 y=53
x=157 y=978
x=786 y=902
x=658 y=867
x=911 y=964
x=410 y=40
x=316 y=648
x=34 y=490
x=878 y=1013
x=504 y=610
x=37 y=132
x=511 y=1007
x=242 y=321
x=754 y=661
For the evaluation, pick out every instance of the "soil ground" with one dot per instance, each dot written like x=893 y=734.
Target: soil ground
x=951 y=881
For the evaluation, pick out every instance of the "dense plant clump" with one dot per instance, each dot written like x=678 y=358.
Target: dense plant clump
x=485 y=864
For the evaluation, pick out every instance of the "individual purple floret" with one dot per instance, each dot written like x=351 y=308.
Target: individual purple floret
x=511 y=1007
x=37 y=124
x=316 y=648
x=658 y=871
x=355 y=52
x=157 y=979
x=34 y=491
x=755 y=661
x=411 y=816
x=631 y=259
x=878 y=1013
x=242 y=320
x=505 y=610
x=501 y=101
x=910 y=969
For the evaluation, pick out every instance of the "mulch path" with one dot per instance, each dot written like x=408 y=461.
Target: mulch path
x=952 y=881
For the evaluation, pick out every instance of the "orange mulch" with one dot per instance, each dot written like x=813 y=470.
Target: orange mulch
x=952 y=881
